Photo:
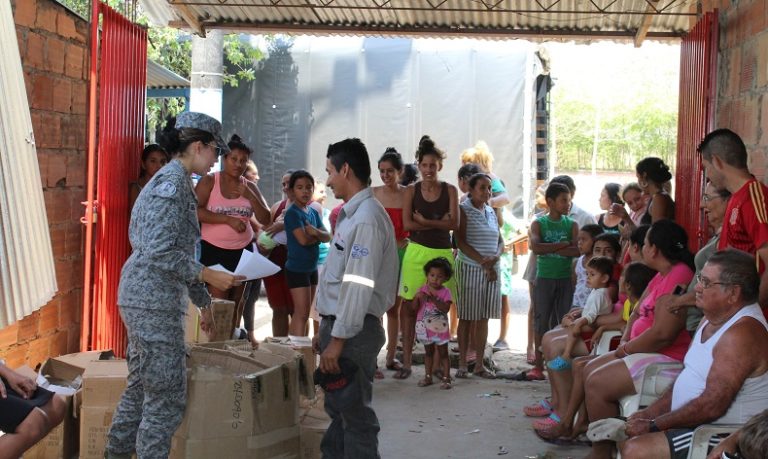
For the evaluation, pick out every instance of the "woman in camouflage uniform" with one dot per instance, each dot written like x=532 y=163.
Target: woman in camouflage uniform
x=155 y=284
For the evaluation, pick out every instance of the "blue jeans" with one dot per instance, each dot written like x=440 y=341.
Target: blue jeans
x=353 y=432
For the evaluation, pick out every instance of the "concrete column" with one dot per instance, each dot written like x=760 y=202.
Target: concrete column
x=207 y=74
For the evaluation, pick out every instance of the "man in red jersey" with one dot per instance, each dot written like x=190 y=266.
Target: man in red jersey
x=745 y=226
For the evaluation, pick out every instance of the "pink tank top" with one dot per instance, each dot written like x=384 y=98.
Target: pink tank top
x=220 y=234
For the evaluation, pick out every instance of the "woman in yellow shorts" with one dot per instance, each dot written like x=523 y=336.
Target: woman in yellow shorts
x=430 y=213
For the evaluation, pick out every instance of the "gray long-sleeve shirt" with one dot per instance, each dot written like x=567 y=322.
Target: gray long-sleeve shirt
x=162 y=271
x=361 y=270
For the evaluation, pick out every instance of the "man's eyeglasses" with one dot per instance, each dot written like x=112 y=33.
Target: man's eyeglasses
x=707 y=197
x=706 y=283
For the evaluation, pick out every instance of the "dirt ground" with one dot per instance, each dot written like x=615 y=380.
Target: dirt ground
x=476 y=419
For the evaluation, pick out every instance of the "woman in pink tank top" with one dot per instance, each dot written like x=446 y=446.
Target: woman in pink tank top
x=226 y=204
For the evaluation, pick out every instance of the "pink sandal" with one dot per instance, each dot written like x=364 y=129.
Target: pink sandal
x=539 y=409
x=548 y=423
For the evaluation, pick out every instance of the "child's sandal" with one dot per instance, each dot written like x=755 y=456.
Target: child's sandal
x=446 y=383
x=426 y=381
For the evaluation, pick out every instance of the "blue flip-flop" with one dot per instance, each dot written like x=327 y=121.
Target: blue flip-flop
x=559 y=364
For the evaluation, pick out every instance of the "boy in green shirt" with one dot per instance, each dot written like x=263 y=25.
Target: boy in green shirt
x=553 y=240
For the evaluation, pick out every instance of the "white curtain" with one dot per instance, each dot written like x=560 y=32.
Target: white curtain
x=27 y=271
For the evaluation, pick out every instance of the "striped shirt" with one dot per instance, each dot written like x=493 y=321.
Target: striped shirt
x=482 y=231
x=745 y=225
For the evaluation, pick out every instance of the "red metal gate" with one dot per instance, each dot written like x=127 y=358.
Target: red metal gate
x=118 y=70
x=696 y=117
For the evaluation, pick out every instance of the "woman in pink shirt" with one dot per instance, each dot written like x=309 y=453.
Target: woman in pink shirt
x=652 y=334
x=226 y=203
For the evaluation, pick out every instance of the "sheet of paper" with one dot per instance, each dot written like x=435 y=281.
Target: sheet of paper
x=254 y=265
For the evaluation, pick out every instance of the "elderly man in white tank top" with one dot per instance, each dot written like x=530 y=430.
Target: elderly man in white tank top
x=725 y=380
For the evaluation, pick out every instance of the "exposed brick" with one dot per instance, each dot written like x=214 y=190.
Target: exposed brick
x=69 y=313
x=79 y=98
x=28 y=82
x=49 y=317
x=28 y=327
x=25 y=12
x=73 y=63
x=751 y=121
x=62 y=96
x=73 y=244
x=42 y=162
x=58 y=241
x=21 y=41
x=42 y=92
x=762 y=61
x=76 y=168
x=48 y=133
x=70 y=131
x=65 y=25
x=65 y=275
x=54 y=56
x=57 y=169
x=83 y=29
x=77 y=196
x=16 y=356
x=39 y=350
x=35 y=50
x=73 y=344
x=764 y=120
x=46 y=16
x=747 y=73
x=59 y=343
x=9 y=335
x=57 y=206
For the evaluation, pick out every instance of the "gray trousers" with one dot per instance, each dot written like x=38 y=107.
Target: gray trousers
x=153 y=403
x=353 y=433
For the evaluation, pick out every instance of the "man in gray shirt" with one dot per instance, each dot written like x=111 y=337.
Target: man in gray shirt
x=355 y=291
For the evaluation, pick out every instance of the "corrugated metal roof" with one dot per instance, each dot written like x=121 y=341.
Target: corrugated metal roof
x=488 y=18
x=159 y=77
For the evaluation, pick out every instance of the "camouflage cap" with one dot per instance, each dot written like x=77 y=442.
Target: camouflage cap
x=196 y=120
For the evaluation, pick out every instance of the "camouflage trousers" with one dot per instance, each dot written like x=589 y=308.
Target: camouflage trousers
x=153 y=403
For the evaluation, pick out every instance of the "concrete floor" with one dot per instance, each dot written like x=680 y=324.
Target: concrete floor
x=476 y=419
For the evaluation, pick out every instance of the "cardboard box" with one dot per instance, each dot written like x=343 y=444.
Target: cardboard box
x=61 y=442
x=309 y=360
x=240 y=403
x=311 y=433
x=103 y=384
x=223 y=311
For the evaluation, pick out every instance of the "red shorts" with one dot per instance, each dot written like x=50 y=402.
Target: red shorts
x=587 y=338
x=278 y=293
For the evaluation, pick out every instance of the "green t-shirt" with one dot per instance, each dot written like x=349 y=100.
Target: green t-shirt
x=554 y=265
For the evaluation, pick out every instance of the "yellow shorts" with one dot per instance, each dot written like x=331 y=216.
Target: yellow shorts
x=412 y=276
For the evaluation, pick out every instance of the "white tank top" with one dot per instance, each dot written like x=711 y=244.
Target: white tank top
x=753 y=396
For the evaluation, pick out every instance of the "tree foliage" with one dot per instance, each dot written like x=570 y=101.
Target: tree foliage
x=616 y=101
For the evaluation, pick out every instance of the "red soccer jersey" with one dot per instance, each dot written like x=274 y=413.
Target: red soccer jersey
x=745 y=225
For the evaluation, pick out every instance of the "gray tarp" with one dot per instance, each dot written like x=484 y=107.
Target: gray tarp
x=388 y=92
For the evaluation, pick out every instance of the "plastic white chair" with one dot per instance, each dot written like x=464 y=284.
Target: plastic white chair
x=702 y=435
x=604 y=345
x=656 y=380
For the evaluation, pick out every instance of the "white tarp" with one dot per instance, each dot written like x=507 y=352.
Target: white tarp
x=388 y=92
x=27 y=271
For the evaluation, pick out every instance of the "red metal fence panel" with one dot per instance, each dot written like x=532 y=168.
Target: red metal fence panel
x=122 y=63
x=696 y=117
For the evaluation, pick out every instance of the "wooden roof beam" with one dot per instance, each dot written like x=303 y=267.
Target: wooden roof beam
x=189 y=18
x=642 y=31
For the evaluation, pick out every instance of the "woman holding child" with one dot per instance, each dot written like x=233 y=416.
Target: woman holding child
x=652 y=334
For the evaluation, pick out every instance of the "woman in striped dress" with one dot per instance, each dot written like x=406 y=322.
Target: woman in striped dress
x=477 y=267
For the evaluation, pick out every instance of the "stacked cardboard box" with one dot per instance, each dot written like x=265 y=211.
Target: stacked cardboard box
x=64 y=371
x=103 y=385
x=314 y=421
x=240 y=402
x=222 y=318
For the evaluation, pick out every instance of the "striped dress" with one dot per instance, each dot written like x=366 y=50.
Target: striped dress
x=478 y=299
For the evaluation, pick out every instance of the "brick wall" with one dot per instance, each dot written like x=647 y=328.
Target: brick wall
x=742 y=100
x=54 y=53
